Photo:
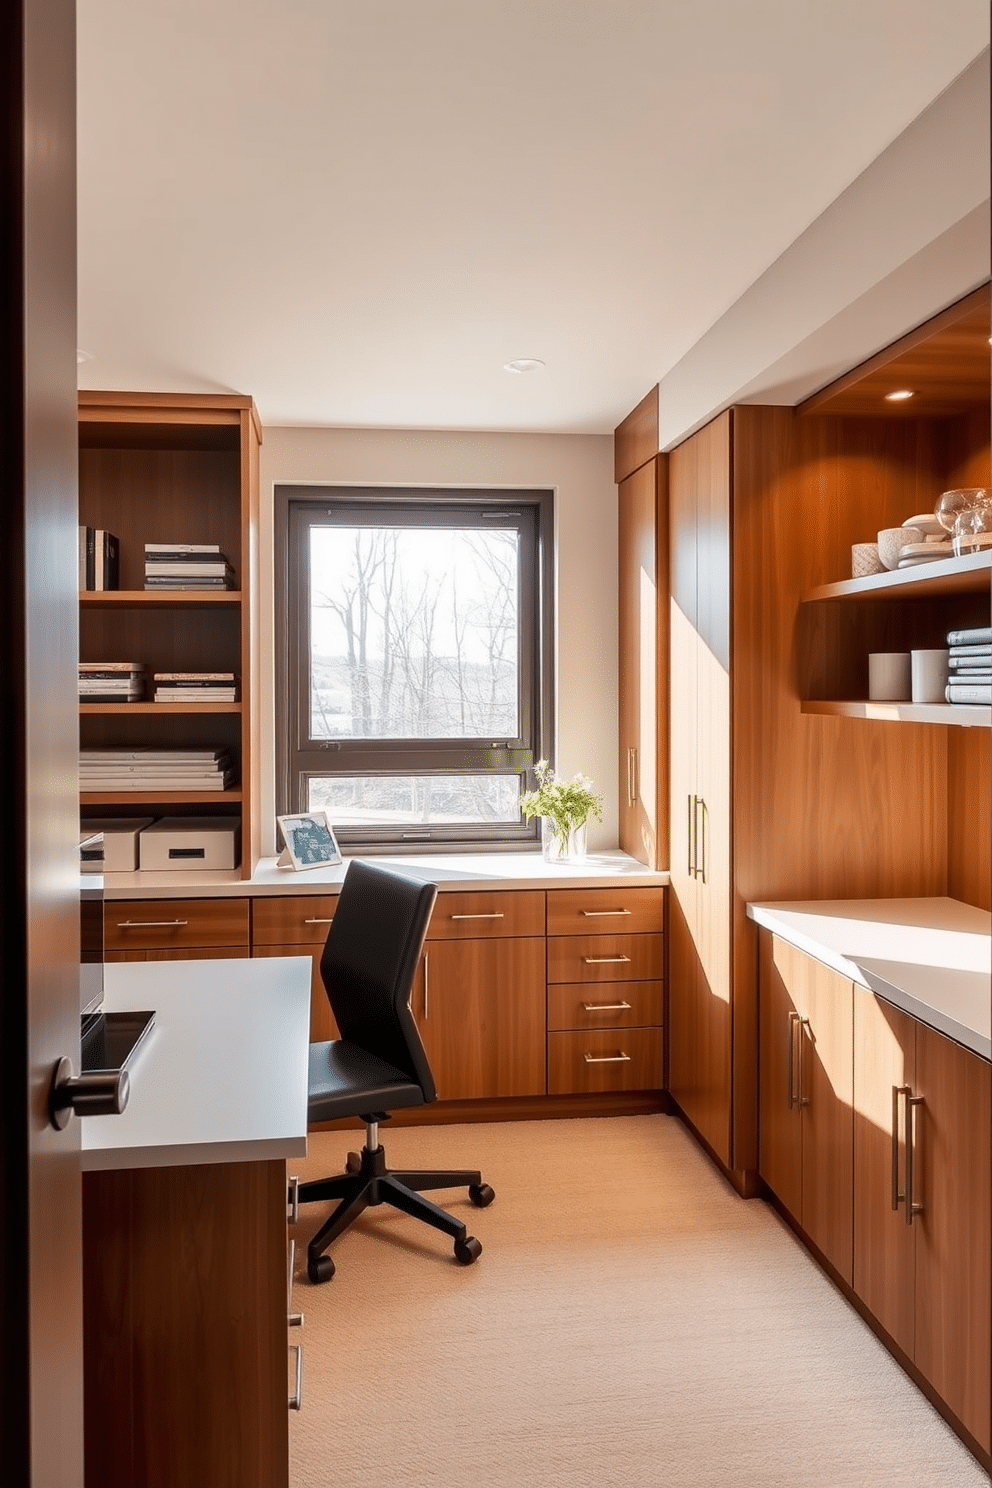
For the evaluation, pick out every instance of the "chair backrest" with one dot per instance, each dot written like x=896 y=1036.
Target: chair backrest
x=369 y=962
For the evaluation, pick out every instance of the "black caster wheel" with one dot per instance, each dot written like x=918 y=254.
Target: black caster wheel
x=320 y=1269
x=467 y=1250
x=481 y=1194
x=353 y=1163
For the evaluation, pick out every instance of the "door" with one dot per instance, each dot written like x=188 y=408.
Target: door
x=637 y=540
x=481 y=1010
x=951 y=1182
x=826 y=1081
x=40 y=1203
x=884 y=1245
x=780 y=1131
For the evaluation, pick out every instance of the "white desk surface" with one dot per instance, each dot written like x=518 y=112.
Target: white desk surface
x=222 y=1076
x=930 y=957
x=450 y=871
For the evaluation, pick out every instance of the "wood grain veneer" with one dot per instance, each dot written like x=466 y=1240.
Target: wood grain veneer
x=635 y=439
x=139 y=924
x=298 y=919
x=576 y=1005
x=631 y=1060
x=605 y=958
x=185 y=1327
x=482 y=915
x=594 y=911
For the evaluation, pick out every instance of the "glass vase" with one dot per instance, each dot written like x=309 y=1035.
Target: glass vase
x=562 y=847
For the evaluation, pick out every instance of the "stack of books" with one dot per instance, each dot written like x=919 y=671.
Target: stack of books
x=111 y=681
x=195 y=687
x=99 y=559
x=186 y=770
x=187 y=566
x=969 y=665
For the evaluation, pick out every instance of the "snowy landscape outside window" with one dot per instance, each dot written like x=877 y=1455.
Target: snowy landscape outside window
x=417 y=689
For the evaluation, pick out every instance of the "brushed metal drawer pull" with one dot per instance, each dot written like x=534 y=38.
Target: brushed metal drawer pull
x=296 y=1399
x=149 y=924
x=593 y=913
x=605 y=960
x=620 y=1058
x=607 y=1007
x=319 y=922
x=495 y=915
x=293 y=1201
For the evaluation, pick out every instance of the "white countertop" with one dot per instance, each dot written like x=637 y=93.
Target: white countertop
x=448 y=870
x=222 y=1076
x=930 y=957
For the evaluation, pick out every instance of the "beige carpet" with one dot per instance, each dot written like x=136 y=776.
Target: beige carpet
x=631 y=1322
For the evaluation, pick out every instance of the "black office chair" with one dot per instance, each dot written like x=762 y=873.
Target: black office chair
x=378 y=1065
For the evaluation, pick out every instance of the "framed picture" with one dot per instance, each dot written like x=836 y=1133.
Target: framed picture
x=310 y=841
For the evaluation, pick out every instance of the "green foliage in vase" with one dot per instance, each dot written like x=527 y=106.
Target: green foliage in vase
x=568 y=803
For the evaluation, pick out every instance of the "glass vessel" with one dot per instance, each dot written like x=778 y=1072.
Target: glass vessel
x=952 y=504
x=563 y=847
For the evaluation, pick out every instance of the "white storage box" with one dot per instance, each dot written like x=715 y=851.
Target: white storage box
x=191 y=842
x=120 y=843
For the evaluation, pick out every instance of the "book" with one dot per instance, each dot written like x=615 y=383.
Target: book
x=83 y=548
x=224 y=695
x=88 y=560
x=112 y=666
x=969 y=650
x=969 y=692
x=136 y=783
x=193 y=677
x=189 y=584
x=94 y=756
x=187 y=570
x=182 y=548
x=106 y=560
x=977 y=635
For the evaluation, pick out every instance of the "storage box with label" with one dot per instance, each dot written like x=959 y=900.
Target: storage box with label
x=190 y=842
x=118 y=853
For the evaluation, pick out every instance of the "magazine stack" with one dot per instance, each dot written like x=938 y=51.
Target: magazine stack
x=111 y=681
x=193 y=566
x=185 y=770
x=969 y=665
x=195 y=687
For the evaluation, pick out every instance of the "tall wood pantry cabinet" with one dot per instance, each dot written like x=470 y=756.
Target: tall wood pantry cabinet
x=183 y=468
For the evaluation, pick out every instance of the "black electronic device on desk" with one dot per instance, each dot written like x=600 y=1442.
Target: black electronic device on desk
x=107 y=1040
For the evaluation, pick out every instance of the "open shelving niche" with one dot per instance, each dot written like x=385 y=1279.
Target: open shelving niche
x=890 y=611
x=182 y=468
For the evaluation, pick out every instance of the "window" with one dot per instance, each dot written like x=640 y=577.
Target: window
x=415 y=661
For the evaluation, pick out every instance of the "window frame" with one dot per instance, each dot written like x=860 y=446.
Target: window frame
x=298 y=758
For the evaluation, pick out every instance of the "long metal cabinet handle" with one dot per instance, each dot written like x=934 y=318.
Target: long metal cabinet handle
x=318 y=922
x=606 y=1007
x=803 y=1099
x=700 y=808
x=897 y=1194
x=293 y=1198
x=620 y=1058
x=492 y=915
x=148 y=924
x=594 y=914
x=793 y=1020
x=296 y=1399
x=427 y=986
x=912 y=1207
x=690 y=836
x=633 y=785
x=605 y=960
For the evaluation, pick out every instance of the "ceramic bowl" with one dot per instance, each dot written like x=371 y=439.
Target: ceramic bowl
x=892 y=540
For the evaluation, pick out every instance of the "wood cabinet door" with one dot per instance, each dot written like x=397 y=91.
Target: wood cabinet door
x=779 y=1128
x=884 y=1245
x=480 y=1007
x=637 y=533
x=322 y=1024
x=826 y=1091
x=951 y=1172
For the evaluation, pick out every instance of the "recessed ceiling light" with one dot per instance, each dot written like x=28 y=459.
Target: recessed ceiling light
x=83 y=356
x=900 y=396
x=523 y=364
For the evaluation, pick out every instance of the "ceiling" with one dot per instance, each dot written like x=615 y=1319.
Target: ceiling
x=358 y=210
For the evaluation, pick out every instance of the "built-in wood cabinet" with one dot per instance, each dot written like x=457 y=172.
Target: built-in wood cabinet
x=807 y=1126
x=157 y=929
x=183 y=469
x=700 y=1015
x=923 y=1203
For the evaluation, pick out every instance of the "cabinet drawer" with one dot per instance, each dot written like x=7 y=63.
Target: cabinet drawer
x=623 y=1005
x=604 y=958
x=596 y=911
x=481 y=916
x=142 y=924
x=294 y=920
x=602 y=1060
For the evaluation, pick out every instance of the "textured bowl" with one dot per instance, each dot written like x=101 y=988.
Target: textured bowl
x=865 y=560
x=892 y=540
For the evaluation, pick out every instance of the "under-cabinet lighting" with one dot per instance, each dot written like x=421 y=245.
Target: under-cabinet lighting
x=899 y=396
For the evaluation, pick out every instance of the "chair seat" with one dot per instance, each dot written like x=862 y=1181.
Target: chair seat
x=346 y=1080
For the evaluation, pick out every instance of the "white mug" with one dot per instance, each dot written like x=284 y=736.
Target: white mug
x=929 y=675
x=889 y=677
x=891 y=541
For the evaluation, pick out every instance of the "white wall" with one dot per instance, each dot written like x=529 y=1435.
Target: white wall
x=579 y=469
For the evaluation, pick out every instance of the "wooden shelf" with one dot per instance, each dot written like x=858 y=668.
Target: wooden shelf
x=157 y=598
x=969 y=575
x=148 y=709
x=960 y=715
x=160 y=798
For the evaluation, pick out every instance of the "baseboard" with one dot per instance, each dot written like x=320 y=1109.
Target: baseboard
x=523 y=1108
x=744 y=1181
